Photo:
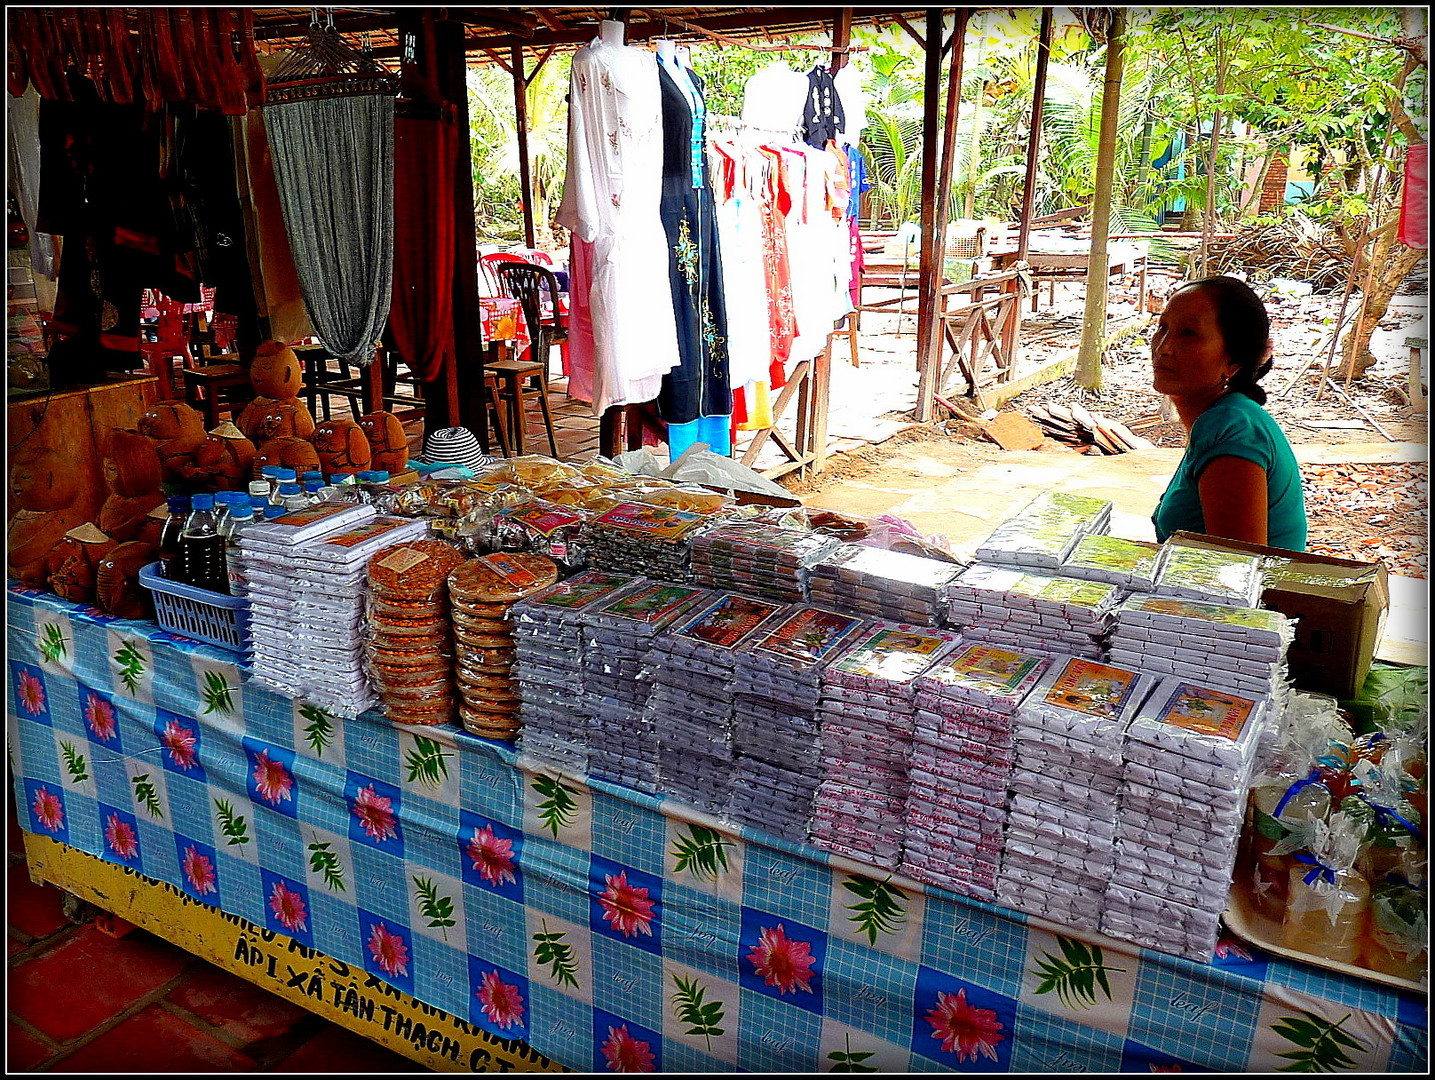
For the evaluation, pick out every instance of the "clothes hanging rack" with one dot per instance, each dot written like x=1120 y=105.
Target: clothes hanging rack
x=324 y=65
x=723 y=39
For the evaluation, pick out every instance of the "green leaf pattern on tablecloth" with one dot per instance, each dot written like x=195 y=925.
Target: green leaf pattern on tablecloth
x=232 y=824
x=130 y=666
x=318 y=727
x=879 y=909
x=324 y=860
x=147 y=795
x=1320 y=1045
x=427 y=762
x=52 y=642
x=1076 y=975
x=690 y=1006
x=701 y=852
x=552 y=952
x=75 y=763
x=559 y=808
x=849 y=1060
x=437 y=909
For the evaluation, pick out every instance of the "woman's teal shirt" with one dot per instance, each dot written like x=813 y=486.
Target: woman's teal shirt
x=1235 y=426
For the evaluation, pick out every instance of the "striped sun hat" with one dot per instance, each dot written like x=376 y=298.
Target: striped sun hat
x=456 y=446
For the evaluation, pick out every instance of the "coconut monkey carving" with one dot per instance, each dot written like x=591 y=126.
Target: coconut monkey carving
x=342 y=447
x=133 y=475
x=388 y=445
x=177 y=430
x=43 y=487
x=225 y=460
x=276 y=411
x=74 y=561
x=117 y=580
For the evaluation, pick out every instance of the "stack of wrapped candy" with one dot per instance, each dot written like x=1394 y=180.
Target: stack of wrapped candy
x=482 y=592
x=760 y=560
x=1237 y=649
x=1041 y=535
x=329 y=610
x=1190 y=753
x=548 y=644
x=1031 y=612
x=1130 y=565
x=963 y=751
x=618 y=632
x=1061 y=825
x=1217 y=577
x=777 y=738
x=410 y=647
x=867 y=720
x=635 y=538
x=691 y=706
x=268 y=562
x=882 y=584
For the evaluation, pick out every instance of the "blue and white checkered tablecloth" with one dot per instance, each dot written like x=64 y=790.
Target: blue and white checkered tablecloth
x=604 y=927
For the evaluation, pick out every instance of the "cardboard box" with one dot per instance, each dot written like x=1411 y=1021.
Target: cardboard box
x=1339 y=606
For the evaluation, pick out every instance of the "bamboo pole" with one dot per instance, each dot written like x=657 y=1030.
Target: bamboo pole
x=929 y=260
x=1033 y=142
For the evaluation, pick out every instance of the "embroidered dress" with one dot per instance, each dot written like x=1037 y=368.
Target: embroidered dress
x=782 y=317
x=625 y=339
x=699 y=387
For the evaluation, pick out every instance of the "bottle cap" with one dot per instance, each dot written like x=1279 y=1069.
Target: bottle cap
x=378 y=476
x=289 y=488
x=312 y=474
x=341 y=478
x=259 y=502
x=241 y=510
x=259 y=487
x=202 y=501
x=287 y=474
x=272 y=512
x=311 y=486
x=178 y=504
x=271 y=471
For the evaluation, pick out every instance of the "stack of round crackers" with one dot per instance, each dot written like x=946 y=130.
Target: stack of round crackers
x=410 y=643
x=481 y=592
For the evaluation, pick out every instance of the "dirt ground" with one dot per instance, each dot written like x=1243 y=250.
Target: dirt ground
x=1361 y=510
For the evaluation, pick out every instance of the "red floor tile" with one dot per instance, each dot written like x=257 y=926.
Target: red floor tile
x=339 y=1050
x=155 y=1041
x=236 y=1005
x=30 y=907
x=88 y=978
x=23 y=1051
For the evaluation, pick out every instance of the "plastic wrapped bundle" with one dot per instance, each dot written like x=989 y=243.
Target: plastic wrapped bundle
x=410 y=651
x=1042 y=534
x=1174 y=866
x=635 y=538
x=882 y=584
x=963 y=746
x=1217 y=577
x=868 y=718
x=691 y=705
x=1030 y=612
x=548 y=650
x=777 y=739
x=1130 y=565
x=1070 y=731
x=618 y=632
x=268 y=561
x=1237 y=649
x=761 y=560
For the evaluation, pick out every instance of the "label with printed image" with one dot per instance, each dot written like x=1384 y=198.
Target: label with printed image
x=366 y=531
x=893 y=655
x=654 y=521
x=583 y=590
x=1209 y=712
x=1089 y=687
x=990 y=669
x=650 y=605
x=510 y=571
x=403 y=559
x=724 y=623
x=543 y=518
x=809 y=635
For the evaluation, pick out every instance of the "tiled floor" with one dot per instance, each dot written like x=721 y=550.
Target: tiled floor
x=81 y=1001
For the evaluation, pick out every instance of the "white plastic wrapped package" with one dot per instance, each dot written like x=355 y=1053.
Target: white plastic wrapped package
x=1220 y=577
x=1130 y=565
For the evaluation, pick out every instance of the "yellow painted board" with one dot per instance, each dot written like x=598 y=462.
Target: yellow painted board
x=327 y=987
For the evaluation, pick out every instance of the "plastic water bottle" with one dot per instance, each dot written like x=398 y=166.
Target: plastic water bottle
x=291 y=495
x=313 y=490
x=223 y=500
x=169 y=534
x=271 y=511
x=200 y=561
x=259 y=489
x=271 y=480
x=240 y=518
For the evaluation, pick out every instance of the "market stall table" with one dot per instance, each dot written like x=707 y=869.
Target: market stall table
x=534 y=916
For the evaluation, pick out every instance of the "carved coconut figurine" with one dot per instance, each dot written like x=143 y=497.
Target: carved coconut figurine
x=117 y=580
x=177 y=429
x=75 y=561
x=264 y=419
x=291 y=452
x=277 y=379
x=43 y=488
x=133 y=475
x=388 y=444
x=342 y=447
x=224 y=461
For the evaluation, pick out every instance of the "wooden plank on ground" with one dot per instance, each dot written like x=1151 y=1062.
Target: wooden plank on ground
x=1013 y=431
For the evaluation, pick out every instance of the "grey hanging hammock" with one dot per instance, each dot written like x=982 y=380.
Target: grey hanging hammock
x=329 y=112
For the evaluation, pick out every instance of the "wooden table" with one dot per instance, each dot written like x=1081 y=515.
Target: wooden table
x=1051 y=265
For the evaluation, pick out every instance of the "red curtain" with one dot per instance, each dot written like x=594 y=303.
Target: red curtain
x=421 y=317
x=1415 y=200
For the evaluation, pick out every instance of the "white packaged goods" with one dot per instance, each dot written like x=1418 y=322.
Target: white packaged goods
x=1043 y=533
x=882 y=584
x=1220 y=577
x=1130 y=565
x=1031 y=612
x=759 y=560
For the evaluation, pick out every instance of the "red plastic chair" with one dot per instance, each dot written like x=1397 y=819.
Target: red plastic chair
x=172 y=342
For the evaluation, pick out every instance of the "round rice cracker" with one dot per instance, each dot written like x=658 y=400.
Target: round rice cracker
x=489 y=725
x=477 y=625
x=480 y=609
x=407 y=717
x=414 y=569
x=478 y=656
x=478 y=581
x=439 y=671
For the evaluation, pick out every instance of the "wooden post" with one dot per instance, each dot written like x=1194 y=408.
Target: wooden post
x=841 y=38
x=1033 y=142
x=929 y=273
x=520 y=115
x=929 y=346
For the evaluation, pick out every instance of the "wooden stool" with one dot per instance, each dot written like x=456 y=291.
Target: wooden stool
x=211 y=385
x=519 y=380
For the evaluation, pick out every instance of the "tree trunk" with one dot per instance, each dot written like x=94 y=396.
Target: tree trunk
x=1394 y=263
x=1212 y=161
x=1093 y=326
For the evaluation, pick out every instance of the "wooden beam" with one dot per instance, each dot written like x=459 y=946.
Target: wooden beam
x=905 y=25
x=841 y=38
x=547 y=55
x=500 y=61
x=520 y=115
x=1033 y=142
x=548 y=19
x=929 y=265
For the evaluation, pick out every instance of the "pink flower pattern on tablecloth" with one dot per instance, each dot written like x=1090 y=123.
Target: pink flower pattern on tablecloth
x=32 y=694
x=627 y=1054
x=492 y=856
x=272 y=780
x=375 y=814
x=121 y=838
x=180 y=741
x=288 y=907
x=782 y=961
x=388 y=950
x=965 y=1029
x=48 y=810
x=626 y=906
x=100 y=716
x=501 y=1002
x=199 y=871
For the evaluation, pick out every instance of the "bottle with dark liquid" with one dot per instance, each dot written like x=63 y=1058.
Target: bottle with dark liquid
x=200 y=561
x=169 y=534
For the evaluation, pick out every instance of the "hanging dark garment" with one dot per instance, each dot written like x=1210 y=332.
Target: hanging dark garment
x=209 y=208
x=421 y=317
x=823 y=116
x=100 y=190
x=699 y=386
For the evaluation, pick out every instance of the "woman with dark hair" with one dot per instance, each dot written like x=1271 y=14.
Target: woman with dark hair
x=1238 y=478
